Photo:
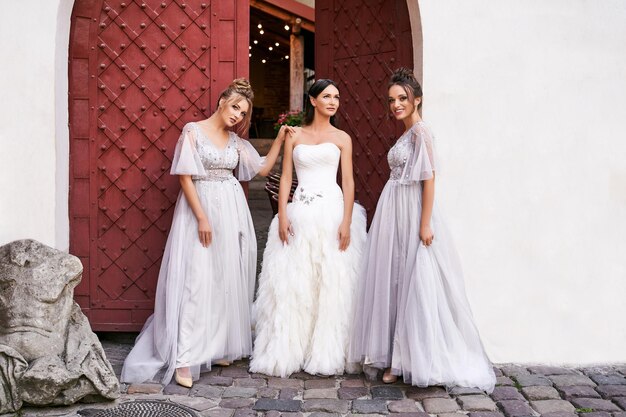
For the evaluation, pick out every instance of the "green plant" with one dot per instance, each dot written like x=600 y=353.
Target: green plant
x=289 y=118
x=584 y=410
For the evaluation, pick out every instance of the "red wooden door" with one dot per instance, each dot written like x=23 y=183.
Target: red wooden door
x=358 y=44
x=139 y=70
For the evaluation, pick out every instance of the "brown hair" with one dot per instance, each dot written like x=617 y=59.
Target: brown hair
x=405 y=78
x=239 y=87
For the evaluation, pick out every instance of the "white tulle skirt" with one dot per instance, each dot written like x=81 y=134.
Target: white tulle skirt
x=306 y=290
x=204 y=295
x=412 y=313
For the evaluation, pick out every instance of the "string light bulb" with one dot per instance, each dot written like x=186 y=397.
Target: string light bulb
x=286 y=27
x=260 y=26
x=261 y=31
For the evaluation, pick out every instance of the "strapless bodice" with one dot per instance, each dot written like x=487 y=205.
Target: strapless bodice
x=316 y=168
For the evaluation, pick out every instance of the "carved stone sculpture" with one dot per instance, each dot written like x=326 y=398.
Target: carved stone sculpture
x=48 y=353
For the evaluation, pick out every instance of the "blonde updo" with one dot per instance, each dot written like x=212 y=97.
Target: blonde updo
x=405 y=78
x=239 y=89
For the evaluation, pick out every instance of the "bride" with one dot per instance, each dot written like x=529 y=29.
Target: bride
x=304 y=303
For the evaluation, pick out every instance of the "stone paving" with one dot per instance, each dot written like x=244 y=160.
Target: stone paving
x=521 y=391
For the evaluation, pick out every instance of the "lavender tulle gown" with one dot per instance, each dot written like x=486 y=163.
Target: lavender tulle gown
x=204 y=295
x=412 y=313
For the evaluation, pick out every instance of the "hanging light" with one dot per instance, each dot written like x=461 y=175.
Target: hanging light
x=286 y=27
x=255 y=41
x=270 y=48
x=250 y=47
x=276 y=44
x=261 y=31
x=260 y=26
x=250 y=55
x=263 y=61
x=286 y=56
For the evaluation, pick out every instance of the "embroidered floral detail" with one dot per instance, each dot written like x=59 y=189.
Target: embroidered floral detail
x=308 y=198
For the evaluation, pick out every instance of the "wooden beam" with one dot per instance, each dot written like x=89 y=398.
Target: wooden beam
x=296 y=68
x=287 y=10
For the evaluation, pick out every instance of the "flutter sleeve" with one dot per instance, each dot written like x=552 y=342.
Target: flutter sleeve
x=186 y=158
x=420 y=163
x=250 y=162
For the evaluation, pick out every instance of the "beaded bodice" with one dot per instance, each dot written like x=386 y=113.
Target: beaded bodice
x=398 y=155
x=218 y=163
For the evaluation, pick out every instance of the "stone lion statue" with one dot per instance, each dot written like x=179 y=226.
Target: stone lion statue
x=48 y=353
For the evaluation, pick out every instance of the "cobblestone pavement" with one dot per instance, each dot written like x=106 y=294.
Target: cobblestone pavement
x=232 y=391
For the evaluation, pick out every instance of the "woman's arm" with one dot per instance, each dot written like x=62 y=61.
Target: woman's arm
x=284 y=225
x=205 y=233
x=428 y=199
x=347 y=185
x=272 y=155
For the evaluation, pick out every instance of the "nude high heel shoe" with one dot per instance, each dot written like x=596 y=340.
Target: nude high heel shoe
x=388 y=377
x=184 y=381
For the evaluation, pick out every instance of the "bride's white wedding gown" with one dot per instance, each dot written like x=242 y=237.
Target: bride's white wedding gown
x=306 y=289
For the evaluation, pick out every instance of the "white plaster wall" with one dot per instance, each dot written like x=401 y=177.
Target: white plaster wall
x=528 y=104
x=32 y=61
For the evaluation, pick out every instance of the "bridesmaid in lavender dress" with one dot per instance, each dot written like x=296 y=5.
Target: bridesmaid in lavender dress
x=412 y=316
x=206 y=282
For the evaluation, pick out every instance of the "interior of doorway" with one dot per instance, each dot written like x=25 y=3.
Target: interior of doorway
x=270 y=59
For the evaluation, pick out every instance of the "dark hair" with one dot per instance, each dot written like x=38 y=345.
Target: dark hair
x=315 y=90
x=404 y=78
x=241 y=87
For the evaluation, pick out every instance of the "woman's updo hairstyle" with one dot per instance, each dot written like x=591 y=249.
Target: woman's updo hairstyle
x=238 y=89
x=405 y=78
x=315 y=90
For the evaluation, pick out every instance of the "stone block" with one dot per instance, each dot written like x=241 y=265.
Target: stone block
x=514 y=370
x=329 y=393
x=532 y=381
x=369 y=407
x=239 y=392
x=235 y=372
x=326 y=406
x=288 y=393
x=440 y=405
x=541 y=393
x=595 y=404
x=144 y=389
x=571 y=380
x=250 y=382
x=515 y=408
x=197 y=403
x=267 y=404
x=352 y=383
x=218 y=412
x=550 y=370
x=610 y=391
x=477 y=403
x=552 y=406
x=320 y=383
x=404 y=406
x=267 y=393
x=485 y=414
x=237 y=403
x=608 y=379
x=352 y=393
x=504 y=381
x=206 y=391
x=506 y=393
x=419 y=394
x=578 y=391
x=221 y=381
x=285 y=383
x=465 y=391
x=175 y=389
x=244 y=412
x=386 y=392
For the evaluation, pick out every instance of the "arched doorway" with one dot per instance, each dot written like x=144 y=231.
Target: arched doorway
x=138 y=71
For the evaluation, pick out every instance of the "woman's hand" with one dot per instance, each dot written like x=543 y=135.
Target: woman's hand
x=344 y=236
x=205 y=232
x=426 y=235
x=284 y=229
x=284 y=131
